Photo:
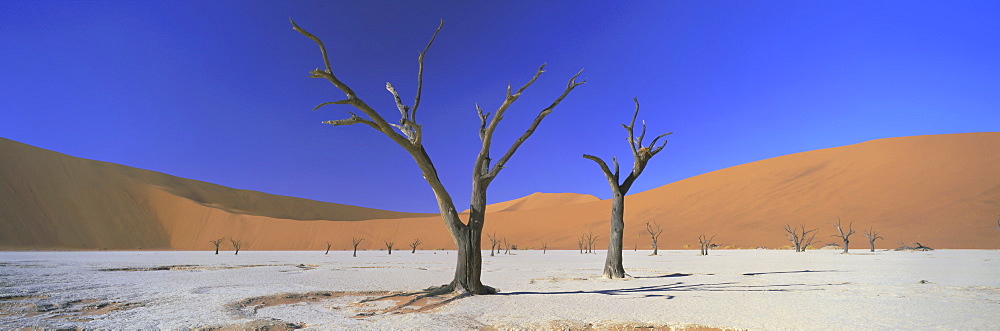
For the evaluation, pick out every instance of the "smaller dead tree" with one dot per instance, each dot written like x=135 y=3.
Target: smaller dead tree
x=328 y=244
x=545 y=247
x=654 y=233
x=590 y=239
x=414 y=244
x=705 y=242
x=579 y=242
x=356 y=242
x=216 y=243
x=800 y=238
x=388 y=246
x=493 y=243
x=845 y=236
x=872 y=237
x=236 y=245
x=506 y=246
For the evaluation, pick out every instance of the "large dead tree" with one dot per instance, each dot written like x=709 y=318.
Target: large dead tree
x=236 y=245
x=705 y=243
x=845 y=236
x=872 y=236
x=414 y=244
x=800 y=238
x=356 y=242
x=654 y=233
x=408 y=134
x=641 y=154
x=216 y=243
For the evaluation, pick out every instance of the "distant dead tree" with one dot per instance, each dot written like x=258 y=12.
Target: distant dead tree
x=705 y=242
x=356 y=242
x=328 y=244
x=845 y=236
x=545 y=247
x=799 y=238
x=580 y=243
x=589 y=240
x=635 y=245
x=872 y=237
x=388 y=245
x=641 y=155
x=506 y=245
x=414 y=244
x=216 y=243
x=236 y=245
x=493 y=243
x=654 y=233
x=408 y=134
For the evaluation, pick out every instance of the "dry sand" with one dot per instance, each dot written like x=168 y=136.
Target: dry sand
x=743 y=289
x=941 y=190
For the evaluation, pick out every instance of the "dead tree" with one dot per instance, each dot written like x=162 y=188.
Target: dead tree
x=654 y=233
x=799 y=238
x=408 y=135
x=640 y=157
x=545 y=247
x=216 y=243
x=236 y=246
x=705 y=242
x=589 y=239
x=493 y=242
x=872 y=237
x=388 y=246
x=328 y=244
x=579 y=243
x=506 y=246
x=356 y=242
x=846 y=237
x=414 y=244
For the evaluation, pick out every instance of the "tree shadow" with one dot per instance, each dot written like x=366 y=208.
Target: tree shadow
x=787 y=272
x=676 y=274
x=657 y=290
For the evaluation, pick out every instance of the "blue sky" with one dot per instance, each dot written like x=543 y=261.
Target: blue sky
x=218 y=90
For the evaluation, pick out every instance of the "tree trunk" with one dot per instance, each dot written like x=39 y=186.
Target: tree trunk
x=470 y=261
x=355 y=251
x=655 y=249
x=846 y=242
x=871 y=243
x=613 y=268
x=217 y=250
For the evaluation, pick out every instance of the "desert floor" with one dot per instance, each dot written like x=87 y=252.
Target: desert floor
x=742 y=289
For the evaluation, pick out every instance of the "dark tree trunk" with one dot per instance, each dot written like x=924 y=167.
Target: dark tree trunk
x=216 y=249
x=846 y=242
x=871 y=243
x=355 y=251
x=613 y=263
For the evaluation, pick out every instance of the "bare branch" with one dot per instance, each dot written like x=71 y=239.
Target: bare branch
x=354 y=119
x=612 y=177
x=420 y=73
x=328 y=74
x=534 y=124
x=338 y=102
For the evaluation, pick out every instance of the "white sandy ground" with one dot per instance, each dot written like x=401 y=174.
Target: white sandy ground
x=745 y=289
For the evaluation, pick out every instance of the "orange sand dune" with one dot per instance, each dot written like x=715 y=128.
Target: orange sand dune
x=539 y=200
x=940 y=190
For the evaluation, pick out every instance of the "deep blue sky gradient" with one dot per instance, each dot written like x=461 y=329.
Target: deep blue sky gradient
x=218 y=90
